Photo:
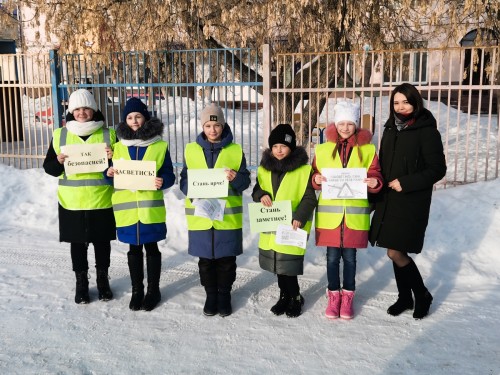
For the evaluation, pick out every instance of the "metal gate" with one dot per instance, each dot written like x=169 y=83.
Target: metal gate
x=459 y=85
x=25 y=118
x=175 y=85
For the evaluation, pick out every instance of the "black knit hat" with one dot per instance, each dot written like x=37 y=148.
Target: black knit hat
x=135 y=105
x=284 y=134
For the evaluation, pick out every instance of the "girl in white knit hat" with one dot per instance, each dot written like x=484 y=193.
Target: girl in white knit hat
x=85 y=211
x=342 y=224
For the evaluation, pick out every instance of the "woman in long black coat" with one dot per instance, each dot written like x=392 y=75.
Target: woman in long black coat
x=412 y=161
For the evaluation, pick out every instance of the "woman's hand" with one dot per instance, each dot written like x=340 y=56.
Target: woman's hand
x=158 y=182
x=395 y=185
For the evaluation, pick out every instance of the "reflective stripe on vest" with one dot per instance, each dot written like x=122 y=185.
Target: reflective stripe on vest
x=146 y=206
x=292 y=188
x=231 y=157
x=330 y=212
x=83 y=191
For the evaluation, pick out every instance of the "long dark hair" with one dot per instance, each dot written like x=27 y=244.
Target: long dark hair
x=413 y=97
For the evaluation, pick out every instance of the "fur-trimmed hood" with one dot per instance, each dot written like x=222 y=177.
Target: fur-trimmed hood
x=360 y=137
x=296 y=159
x=150 y=129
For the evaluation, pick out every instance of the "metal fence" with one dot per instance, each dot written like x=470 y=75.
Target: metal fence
x=458 y=85
x=257 y=91
x=25 y=116
x=175 y=85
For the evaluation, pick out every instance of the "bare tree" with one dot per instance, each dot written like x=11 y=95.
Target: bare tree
x=104 y=26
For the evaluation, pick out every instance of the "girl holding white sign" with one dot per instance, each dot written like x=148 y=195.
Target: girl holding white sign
x=85 y=211
x=284 y=174
x=140 y=214
x=342 y=224
x=216 y=241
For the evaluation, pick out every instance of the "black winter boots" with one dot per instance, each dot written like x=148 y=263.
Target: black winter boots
x=294 y=308
x=82 y=288
x=224 y=301
x=218 y=301
x=422 y=304
x=136 y=268
x=405 y=299
x=408 y=279
x=280 y=307
x=153 y=295
x=210 y=308
x=102 y=280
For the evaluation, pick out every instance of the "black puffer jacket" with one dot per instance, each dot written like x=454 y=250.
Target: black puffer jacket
x=270 y=260
x=415 y=157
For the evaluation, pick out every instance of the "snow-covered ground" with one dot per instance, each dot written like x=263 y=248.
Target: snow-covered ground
x=42 y=331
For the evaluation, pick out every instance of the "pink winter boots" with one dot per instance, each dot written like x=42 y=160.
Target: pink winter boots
x=339 y=304
x=346 y=309
x=333 y=308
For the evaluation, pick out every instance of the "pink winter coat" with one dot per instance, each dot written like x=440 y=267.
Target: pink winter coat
x=342 y=236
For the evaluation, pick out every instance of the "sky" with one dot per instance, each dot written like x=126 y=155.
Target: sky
x=42 y=330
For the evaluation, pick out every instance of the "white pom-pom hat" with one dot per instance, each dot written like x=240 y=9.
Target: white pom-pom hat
x=346 y=111
x=81 y=98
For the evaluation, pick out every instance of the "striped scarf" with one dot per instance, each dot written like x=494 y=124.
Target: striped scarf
x=403 y=122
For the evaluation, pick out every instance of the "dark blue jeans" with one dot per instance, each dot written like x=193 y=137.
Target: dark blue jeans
x=333 y=255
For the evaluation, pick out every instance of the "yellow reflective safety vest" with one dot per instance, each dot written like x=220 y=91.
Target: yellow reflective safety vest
x=83 y=191
x=292 y=188
x=330 y=212
x=231 y=157
x=146 y=206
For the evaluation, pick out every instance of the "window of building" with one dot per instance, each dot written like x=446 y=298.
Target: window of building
x=411 y=65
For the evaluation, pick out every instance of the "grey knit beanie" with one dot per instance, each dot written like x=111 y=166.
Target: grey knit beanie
x=212 y=112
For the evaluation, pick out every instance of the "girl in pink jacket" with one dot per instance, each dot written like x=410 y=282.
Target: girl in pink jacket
x=342 y=224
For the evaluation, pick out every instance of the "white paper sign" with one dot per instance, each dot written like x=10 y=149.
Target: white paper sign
x=211 y=208
x=85 y=158
x=134 y=174
x=207 y=183
x=267 y=219
x=344 y=183
x=285 y=235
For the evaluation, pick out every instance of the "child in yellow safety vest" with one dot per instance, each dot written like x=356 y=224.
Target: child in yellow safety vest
x=285 y=174
x=218 y=241
x=85 y=212
x=342 y=224
x=141 y=214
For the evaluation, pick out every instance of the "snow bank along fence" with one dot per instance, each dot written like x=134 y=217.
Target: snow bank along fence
x=258 y=90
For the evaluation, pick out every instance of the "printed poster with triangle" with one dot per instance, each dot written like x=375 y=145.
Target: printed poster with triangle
x=344 y=183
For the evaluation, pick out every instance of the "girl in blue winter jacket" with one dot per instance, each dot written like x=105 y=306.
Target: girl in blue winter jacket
x=140 y=215
x=216 y=242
